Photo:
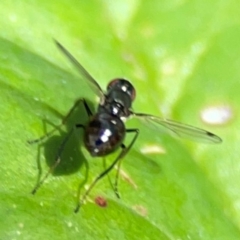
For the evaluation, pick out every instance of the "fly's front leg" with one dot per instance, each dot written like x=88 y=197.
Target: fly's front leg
x=50 y=133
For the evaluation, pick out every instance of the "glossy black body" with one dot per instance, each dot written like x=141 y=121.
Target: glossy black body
x=105 y=131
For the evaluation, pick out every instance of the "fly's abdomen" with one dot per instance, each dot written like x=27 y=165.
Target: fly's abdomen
x=104 y=134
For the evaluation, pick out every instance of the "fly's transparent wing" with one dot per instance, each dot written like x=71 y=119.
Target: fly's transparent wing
x=182 y=130
x=83 y=72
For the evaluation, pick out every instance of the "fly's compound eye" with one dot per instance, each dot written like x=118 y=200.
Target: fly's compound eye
x=123 y=85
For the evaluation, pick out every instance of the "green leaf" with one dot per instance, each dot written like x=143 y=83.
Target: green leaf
x=182 y=57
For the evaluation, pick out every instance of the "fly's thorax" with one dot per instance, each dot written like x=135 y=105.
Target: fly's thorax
x=116 y=103
x=104 y=134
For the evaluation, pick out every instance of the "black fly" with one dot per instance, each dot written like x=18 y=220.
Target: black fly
x=105 y=131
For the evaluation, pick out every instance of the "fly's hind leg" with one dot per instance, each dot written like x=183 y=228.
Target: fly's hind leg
x=123 y=152
x=136 y=132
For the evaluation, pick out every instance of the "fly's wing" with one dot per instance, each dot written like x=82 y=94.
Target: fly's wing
x=83 y=72
x=180 y=129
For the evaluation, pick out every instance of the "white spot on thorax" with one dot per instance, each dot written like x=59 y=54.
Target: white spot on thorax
x=124 y=88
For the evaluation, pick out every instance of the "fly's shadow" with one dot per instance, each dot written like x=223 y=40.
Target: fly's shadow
x=72 y=158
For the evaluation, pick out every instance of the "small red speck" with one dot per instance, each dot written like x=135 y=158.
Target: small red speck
x=100 y=201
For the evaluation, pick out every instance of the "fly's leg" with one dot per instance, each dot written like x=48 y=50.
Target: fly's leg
x=106 y=171
x=136 y=132
x=57 y=160
x=109 y=179
x=61 y=148
x=50 y=133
